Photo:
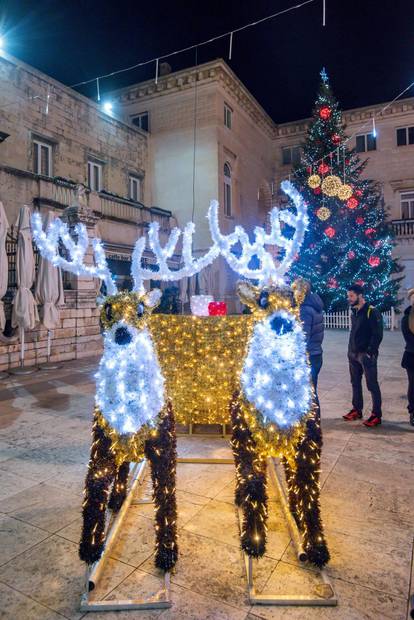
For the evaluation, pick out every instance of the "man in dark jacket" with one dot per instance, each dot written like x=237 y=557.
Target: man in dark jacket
x=364 y=340
x=407 y=362
x=311 y=314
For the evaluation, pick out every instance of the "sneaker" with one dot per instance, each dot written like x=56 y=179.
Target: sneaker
x=352 y=415
x=373 y=420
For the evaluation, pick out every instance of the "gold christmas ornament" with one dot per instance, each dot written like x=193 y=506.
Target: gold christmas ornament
x=323 y=213
x=314 y=181
x=345 y=192
x=331 y=185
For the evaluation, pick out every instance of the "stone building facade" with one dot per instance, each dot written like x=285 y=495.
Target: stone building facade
x=53 y=141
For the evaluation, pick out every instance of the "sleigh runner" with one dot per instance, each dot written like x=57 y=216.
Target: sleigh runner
x=249 y=370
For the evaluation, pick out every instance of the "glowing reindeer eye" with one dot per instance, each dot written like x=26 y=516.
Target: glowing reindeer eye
x=140 y=310
x=108 y=312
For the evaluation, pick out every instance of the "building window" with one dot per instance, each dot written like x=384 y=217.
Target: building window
x=405 y=135
x=366 y=142
x=291 y=155
x=42 y=158
x=135 y=188
x=407 y=205
x=228 y=112
x=94 y=176
x=141 y=121
x=227 y=191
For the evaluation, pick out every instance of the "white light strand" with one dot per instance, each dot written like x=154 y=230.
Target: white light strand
x=268 y=271
x=276 y=376
x=48 y=244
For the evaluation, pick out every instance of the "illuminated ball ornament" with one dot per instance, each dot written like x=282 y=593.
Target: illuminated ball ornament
x=352 y=203
x=351 y=255
x=275 y=375
x=323 y=213
x=317 y=191
x=330 y=232
x=331 y=185
x=314 y=181
x=369 y=232
x=374 y=261
x=359 y=220
x=323 y=168
x=325 y=113
x=332 y=283
x=344 y=192
x=336 y=139
x=358 y=193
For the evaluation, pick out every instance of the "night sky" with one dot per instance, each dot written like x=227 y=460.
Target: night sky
x=366 y=46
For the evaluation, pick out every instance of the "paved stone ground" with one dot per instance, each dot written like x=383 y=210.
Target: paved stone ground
x=367 y=502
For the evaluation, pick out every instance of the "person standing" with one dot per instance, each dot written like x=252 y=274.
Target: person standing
x=311 y=314
x=407 y=362
x=364 y=341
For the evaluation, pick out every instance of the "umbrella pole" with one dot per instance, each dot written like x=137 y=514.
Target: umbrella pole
x=22 y=369
x=49 y=365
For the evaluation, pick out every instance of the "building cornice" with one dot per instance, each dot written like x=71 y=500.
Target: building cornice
x=351 y=116
x=216 y=71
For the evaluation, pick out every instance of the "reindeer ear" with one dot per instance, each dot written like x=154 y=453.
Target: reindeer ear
x=248 y=294
x=152 y=298
x=300 y=287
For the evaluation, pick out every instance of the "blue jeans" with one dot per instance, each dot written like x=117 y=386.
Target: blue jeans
x=316 y=365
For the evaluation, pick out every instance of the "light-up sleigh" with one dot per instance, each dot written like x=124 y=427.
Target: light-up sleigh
x=248 y=370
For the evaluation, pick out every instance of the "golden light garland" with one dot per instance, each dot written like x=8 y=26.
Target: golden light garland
x=345 y=192
x=314 y=181
x=330 y=185
x=323 y=213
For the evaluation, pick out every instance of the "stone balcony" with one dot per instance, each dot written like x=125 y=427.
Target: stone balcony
x=403 y=229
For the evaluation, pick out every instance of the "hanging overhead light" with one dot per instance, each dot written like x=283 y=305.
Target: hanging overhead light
x=107 y=107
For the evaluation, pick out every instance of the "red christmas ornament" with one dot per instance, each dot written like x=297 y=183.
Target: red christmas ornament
x=309 y=170
x=347 y=162
x=317 y=190
x=330 y=232
x=217 y=308
x=352 y=203
x=359 y=220
x=369 y=231
x=323 y=168
x=358 y=193
x=374 y=261
x=360 y=282
x=336 y=138
x=351 y=254
x=325 y=112
x=332 y=283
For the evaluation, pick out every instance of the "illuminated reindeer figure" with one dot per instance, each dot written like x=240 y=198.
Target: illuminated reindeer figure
x=251 y=370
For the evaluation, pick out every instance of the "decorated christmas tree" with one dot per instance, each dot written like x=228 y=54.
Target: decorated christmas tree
x=349 y=238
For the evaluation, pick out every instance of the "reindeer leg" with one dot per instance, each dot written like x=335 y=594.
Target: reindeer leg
x=119 y=489
x=101 y=472
x=161 y=451
x=289 y=469
x=308 y=459
x=250 y=495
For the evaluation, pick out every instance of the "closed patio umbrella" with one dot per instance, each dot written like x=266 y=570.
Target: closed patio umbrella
x=4 y=268
x=24 y=315
x=49 y=295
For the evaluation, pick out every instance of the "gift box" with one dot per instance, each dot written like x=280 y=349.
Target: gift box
x=199 y=304
x=217 y=308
